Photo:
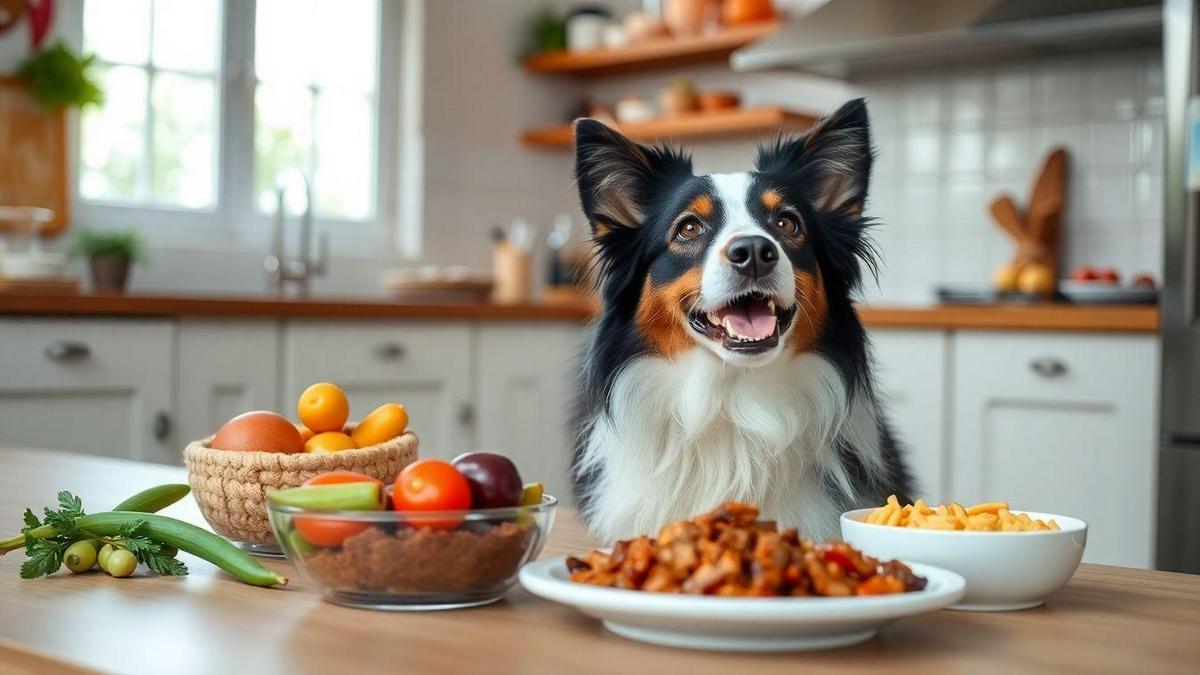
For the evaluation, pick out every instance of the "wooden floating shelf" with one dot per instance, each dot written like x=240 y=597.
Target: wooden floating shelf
x=657 y=53
x=717 y=124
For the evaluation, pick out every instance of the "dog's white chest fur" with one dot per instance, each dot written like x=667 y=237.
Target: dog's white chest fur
x=681 y=436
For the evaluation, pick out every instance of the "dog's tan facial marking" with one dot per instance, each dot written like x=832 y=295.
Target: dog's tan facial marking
x=811 y=311
x=702 y=206
x=662 y=313
x=771 y=199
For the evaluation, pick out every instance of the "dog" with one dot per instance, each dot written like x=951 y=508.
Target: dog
x=727 y=361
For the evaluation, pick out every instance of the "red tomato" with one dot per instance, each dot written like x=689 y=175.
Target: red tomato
x=431 y=485
x=1108 y=274
x=330 y=533
x=1084 y=273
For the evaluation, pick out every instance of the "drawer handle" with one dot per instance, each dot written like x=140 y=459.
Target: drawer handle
x=1048 y=367
x=391 y=351
x=161 y=428
x=66 y=351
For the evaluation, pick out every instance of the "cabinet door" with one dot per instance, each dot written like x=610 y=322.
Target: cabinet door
x=225 y=368
x=1062 y=423
x=425 y=366
x=910 y=379
x=95 y=386
x=526 y=388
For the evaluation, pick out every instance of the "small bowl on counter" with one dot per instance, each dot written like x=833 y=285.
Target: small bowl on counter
x=413 y=560
x=1003 y=570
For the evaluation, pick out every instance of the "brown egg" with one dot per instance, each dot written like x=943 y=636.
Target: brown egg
x=259 y=431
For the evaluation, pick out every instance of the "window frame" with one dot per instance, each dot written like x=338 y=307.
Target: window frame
x=233 y=220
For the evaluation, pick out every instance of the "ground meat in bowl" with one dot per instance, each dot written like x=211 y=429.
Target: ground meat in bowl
x=423 y=560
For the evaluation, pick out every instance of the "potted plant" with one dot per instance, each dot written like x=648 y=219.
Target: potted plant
x=109 y=256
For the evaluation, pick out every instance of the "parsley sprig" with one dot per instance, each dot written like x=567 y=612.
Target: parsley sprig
x=45 y=553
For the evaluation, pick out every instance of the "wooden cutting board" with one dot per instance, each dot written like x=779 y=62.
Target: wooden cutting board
x=33 y=154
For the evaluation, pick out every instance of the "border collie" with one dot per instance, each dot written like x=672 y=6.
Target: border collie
x=728 y=362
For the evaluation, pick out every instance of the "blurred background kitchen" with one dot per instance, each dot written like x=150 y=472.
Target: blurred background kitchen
x=208 y=204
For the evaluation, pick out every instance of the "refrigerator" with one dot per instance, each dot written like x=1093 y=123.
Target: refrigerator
x=1179 y=455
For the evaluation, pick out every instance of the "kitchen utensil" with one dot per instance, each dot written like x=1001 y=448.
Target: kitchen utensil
x=512 y=267
x=231 y=487
x=740 y=624
x=410 y=560
x=1037 y=231
x=678 y=98
x=33 y=155
x=1003 y=570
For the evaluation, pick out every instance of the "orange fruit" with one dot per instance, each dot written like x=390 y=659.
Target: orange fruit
x=383 y=424
x=323 y=407
x=1036 y=279
x=305 y=432
x=329 y=441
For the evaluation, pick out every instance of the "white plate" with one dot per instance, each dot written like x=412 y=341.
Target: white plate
x=740 y=624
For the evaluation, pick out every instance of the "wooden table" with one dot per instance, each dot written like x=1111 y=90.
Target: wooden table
x=1107 y=619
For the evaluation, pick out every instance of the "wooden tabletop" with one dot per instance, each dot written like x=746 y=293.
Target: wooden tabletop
x=1053 y=316
x=1107 y=619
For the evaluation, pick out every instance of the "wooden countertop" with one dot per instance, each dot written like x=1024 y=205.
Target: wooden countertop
x=1106 y=619
x=1062 y=317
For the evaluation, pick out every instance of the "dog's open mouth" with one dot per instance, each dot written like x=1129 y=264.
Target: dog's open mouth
x=751 y=323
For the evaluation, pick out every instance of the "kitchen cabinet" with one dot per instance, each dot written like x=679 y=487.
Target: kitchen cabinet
x=910 y=379
x=426 y=366
x=224 y=368
x=96 y=386
x=526 y=390
x=1062 y=423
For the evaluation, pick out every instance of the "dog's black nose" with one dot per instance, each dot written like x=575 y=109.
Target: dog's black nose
x=754 y=256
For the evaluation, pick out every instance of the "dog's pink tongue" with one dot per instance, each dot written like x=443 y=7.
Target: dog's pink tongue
x=752 y=319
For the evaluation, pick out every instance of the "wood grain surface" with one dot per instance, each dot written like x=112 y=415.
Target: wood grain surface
x=1107 y=619
x=1101 y=318
x=33 y=154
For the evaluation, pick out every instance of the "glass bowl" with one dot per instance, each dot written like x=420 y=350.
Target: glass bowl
x=413 y=560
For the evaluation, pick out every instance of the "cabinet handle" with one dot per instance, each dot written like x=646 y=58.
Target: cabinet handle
x=65 y=351
x=162 y=425
x=1048 y=367
x=391 y=351
x=466 y=414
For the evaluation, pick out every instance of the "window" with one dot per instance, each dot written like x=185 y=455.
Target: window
x=202 y=113
x=153 y=142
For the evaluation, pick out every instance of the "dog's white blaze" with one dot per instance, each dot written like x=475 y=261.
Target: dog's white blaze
x=684 y=435
x=718 y=281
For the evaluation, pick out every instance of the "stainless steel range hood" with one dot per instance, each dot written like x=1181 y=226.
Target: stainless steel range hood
x=844 y=38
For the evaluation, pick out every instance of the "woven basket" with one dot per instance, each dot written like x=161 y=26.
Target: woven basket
x=231 y=487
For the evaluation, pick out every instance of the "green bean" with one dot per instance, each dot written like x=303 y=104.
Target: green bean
x=185 y=537
x=155 y=499
x=334 y=497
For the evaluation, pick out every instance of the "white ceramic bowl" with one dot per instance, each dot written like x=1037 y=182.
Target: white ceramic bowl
x=1004 y=570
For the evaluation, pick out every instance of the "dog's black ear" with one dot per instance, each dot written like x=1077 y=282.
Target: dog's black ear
x=617 y=177
x=832 y=161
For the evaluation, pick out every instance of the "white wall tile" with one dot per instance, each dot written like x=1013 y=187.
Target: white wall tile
x=1109 y=88
x=1060 y=88
x=1148 y=200
x=1012 y=93
x=922 y=103
x=964 y=150
x=922 y=150
x=1148 y=145
x=1111 y=144
x=1061 y=132
x=1010 y=149
x=964 y=201
x=1109 y=201
x=967 y=98
x=1150 y=255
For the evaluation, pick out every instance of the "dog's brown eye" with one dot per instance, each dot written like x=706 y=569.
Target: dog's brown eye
x=689 y=229
x=788 y=225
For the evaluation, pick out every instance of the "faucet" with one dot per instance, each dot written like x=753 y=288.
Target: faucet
x=280 y=269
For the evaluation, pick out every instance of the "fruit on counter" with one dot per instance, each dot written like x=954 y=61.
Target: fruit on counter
x=305 y=432
x=80 y=556
x=431 y=485
x=1037 y=279
x=1084 y=273
x=494 y=480
x=330 y=441
x=741 y=12
x=1108 y=275
x=121 y=563
x=260 y=431
x=531 y=494
x=142 y=535
x=355 y=496
x=325 y=531
x=323 y=407
x=1144 y=280
x=1004 y=279
x=383 y=424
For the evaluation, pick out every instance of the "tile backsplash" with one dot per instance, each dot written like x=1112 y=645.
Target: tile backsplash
x=949 y=142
